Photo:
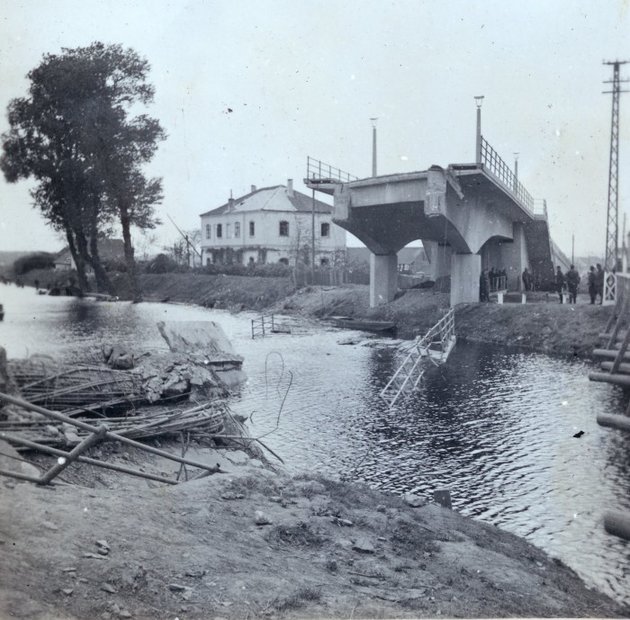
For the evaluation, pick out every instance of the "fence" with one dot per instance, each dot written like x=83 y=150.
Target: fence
x=317 y=170
x=501 y=171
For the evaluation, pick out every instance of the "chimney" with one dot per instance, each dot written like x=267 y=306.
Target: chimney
x=253 y=189
x=290 y=188
x=230 y=204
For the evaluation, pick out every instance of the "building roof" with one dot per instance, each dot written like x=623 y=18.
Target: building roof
x=406 y=256
x=276 y=198
x=107 y=249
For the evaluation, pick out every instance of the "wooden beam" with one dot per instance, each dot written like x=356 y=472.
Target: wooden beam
x=617 y=523
x=89 y=427
x=84 y=459
x=606 y=377
x=619 y=422
x=65 y=461
x=612 y=353
x=623 y=368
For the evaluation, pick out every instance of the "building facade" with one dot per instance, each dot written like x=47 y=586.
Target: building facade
x=271 y=225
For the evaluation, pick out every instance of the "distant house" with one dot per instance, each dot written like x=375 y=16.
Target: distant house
x=108 y=249
x=410 y=260
x=270 y=225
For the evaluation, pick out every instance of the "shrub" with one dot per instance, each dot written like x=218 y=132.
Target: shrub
x=37 y=260
x=271 y=270
x=115 y=264
x=162 y=264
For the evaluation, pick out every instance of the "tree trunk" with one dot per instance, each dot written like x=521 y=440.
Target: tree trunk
x=79 y=263
x=103 y=283
x=125 y=222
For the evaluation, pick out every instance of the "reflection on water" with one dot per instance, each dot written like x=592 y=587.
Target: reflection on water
x=494 y=427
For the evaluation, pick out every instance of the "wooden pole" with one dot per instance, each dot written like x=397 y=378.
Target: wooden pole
x=65 y=461
x=619 y=422
x=82 y=459
x=92 y=429
x=618 y=524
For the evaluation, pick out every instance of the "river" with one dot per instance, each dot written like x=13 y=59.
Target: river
x=495 y=427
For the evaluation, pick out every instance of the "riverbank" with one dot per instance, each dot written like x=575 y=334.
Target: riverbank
x=543 y=325
x=252 y=543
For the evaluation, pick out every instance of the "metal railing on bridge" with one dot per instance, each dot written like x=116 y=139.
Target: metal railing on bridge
x=502 y=172
x=435 y=345
x=319 y=172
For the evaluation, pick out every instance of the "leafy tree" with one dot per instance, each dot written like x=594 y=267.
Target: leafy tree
x=74 y=136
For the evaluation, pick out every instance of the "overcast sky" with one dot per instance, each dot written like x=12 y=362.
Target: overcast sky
x=304 y=77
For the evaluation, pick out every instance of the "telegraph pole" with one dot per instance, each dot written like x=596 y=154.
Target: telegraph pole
x=612 y=216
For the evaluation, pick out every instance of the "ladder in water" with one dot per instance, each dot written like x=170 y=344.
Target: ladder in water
x=435 y=346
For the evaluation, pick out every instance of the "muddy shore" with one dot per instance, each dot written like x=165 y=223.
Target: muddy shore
x=542 y=325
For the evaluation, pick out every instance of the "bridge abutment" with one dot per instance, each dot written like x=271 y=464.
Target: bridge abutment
x=383 y=278
x=465 y=272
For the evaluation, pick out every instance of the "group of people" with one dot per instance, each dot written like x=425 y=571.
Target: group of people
x=490 y=281
x=571 y=281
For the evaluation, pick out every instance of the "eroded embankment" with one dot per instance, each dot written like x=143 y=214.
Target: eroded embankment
x=542 y=325
x=253 y=544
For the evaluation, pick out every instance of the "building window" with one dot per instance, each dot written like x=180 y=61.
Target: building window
x=227 y=231
x=208 y=260
x=252 y=229
x=219 y=230
x=237 y=229
x=284 y=261
x=208 y=231
x=324 y=262
x=325 y=229
x=284 y=228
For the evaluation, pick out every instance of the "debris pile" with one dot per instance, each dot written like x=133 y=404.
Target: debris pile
x=134 y=396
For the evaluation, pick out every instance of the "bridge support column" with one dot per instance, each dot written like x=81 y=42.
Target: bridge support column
x=514 y=257
x=440 y=258
x=465 y=272
x=383 y=278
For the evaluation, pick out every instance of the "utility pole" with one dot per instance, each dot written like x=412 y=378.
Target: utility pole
x=612 y=216
x=313 y=237
x=374 y=119
x=573 y=249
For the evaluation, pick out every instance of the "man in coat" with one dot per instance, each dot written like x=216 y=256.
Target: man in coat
x=573 y=280
x=559 y=282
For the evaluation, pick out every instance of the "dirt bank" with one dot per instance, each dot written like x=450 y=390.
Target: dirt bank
x=218 y=291
x=251 y=543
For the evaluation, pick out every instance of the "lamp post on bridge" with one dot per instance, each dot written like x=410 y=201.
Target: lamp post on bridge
x=515 y=170
x=478 y=102
x=373 y=120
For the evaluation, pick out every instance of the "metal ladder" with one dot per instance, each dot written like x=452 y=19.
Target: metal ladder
x=410 y=372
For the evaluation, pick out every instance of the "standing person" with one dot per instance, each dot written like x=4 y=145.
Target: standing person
x=559 y=282
x=484 y=286
x=573 y=280
x=599 y=281
x=527 y=279
x=592 y=284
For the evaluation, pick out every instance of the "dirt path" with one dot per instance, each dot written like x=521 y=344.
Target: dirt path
x=252 y=544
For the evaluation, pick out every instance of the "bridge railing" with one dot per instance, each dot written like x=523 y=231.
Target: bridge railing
x=502 y=172
x=319 y=171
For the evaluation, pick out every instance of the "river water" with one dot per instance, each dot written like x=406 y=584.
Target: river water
x=494 y=427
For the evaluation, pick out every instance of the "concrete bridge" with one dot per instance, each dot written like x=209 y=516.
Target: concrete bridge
x=469 y=217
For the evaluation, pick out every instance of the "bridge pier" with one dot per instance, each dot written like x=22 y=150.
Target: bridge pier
x=439 y=257
x=465 y=272
x=383 y=278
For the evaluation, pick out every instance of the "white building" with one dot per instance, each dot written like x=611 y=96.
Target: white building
x=270 y=225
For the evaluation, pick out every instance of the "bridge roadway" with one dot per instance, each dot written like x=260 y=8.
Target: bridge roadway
x=466 y=217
